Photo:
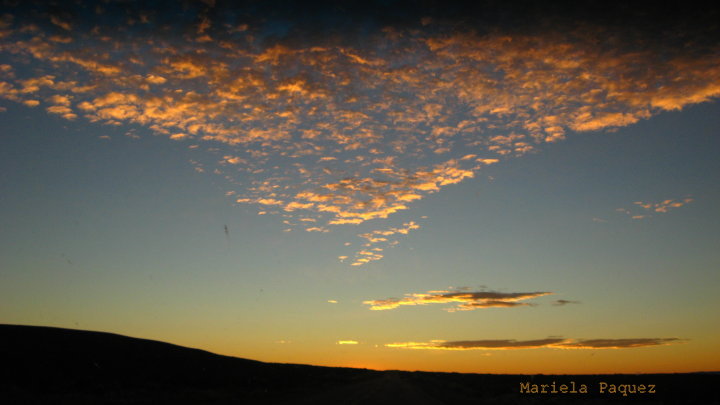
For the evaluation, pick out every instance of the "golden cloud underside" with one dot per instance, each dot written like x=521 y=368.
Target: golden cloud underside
x=467 y=300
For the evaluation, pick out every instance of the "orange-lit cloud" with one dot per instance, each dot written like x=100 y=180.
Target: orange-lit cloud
x=468 y=300
x=347 y=342
x=661 y=207
x=553 y=343
x=479 y=344
x=379 y=240
x=344 y=132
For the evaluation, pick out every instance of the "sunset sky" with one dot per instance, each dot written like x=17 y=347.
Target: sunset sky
x=399 y=185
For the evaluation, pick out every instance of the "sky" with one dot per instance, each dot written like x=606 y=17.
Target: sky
x=512 y=188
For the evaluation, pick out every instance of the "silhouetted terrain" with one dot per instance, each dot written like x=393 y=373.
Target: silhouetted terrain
x=43 y=365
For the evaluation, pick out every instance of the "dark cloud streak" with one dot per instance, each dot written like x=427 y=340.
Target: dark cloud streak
x=502 y=344
x=552 y=343
x=564 y=302
x=619 y=343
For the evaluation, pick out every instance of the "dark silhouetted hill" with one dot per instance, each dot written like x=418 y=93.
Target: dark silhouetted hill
x=44 y=365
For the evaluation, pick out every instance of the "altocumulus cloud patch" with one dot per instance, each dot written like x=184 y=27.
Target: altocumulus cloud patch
x=330 y=130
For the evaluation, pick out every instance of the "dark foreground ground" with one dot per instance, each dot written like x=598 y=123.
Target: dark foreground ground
x=41 y=365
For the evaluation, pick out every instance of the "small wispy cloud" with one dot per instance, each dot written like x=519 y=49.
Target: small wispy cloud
x=643 y=210
x=564 y=302
x=552 y=343
x=663 y=206
x=378 y=240
x=347 y=342
x=466 y=300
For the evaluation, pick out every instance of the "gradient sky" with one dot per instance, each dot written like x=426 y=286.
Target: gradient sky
x=495 y=190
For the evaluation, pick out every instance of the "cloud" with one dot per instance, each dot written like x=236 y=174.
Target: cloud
x=347 y=342
x=379 y=240
x=564 y=302
x=661 y=207
x=341 y=131
x=60 y=23
x=316 y=229
x=664 y=206
x=552 y=343
x=468 y=300
x=619 y=343
x=479 y=344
